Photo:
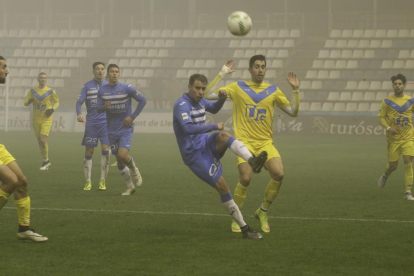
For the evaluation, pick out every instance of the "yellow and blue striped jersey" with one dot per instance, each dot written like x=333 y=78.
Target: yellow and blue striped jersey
x=397 y=114
x=43 y=99
x=253 y=109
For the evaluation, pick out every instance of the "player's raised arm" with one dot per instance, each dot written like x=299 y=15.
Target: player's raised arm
x=211 y=91
x=214 y=107
x=293 y=109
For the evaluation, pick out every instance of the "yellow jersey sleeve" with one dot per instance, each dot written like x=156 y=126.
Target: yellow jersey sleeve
x=230 y=89
x=55 y=100
x=29 y=98
x=280 y=99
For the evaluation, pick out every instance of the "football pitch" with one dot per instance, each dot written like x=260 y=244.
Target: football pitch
x=329 y=219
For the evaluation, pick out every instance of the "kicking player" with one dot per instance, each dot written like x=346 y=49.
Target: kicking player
x=253 y=108
x=13 y=181
x=395 y=116
x=95 y=127
x=202 y=152
x=115 y=99
x=45 y=102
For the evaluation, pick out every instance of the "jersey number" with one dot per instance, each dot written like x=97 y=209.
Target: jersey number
x=254 y=113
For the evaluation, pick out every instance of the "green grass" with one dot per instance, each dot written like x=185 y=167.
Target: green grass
x=330 y=218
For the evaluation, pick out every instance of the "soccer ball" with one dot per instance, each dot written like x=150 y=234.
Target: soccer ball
x=239 y=23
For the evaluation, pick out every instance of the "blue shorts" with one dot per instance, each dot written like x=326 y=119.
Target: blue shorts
x=121 y=140
x=208 y=166
x=93 y=133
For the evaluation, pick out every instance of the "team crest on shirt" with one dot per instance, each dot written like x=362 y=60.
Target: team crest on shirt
x=119 y=92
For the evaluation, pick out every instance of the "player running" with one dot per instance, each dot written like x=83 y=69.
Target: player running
x=13 y=181
x=115 y=99
x=95 y=127
x=45 y=102
x=253 y=108
x=202 y=152
x=395 y=116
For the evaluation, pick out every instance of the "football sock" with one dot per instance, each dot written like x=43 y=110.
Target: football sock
x=232 y=208
x=387 y=171
x=271 y=192
x=4 y=197
x=23 y=211
x=238 y=148
x=45 y=152
x=87 y=167
x=240 y=195
x=408 y=176
x=104 y=164
x=131 y=164
x=124 y=171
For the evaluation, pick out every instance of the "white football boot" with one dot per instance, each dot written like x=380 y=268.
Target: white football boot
x=382 y=181
x=128 y=192
x=31 y=235
x=136 y=177
x=408 y=196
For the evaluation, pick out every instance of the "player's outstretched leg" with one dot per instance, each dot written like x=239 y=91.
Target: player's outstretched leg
x=257 y=162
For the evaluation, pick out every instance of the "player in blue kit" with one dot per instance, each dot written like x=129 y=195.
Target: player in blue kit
x=115 y=99
x=95 y=127
x=202 y=152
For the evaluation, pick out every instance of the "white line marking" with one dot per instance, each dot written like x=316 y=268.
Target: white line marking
x=214 y=215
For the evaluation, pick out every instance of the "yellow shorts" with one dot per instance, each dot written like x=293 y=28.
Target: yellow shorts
x=396 y=149
x=257 y=149
x=5 y=156
x=42 y=128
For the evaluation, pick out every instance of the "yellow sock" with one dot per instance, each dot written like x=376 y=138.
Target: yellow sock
x=270 y=194
x=387 y=171
x=240 y=195
x=45 y=152
x=23 y=211
x=408 y=176
x=4 y=197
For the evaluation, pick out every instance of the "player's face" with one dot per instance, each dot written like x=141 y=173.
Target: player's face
x=196 y=91
x=398 y=87
x=42 y=79
x=4 y=71
x=113 y=75
x=258 y=71
x=99 y=72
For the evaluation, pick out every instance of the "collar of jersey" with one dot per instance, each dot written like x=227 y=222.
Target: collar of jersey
x=41 y=97
x=257 y=97
x=397 y=107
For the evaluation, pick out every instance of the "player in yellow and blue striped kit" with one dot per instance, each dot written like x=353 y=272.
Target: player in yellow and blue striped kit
x=45 y=102
x=253 y=109
x=395 y=116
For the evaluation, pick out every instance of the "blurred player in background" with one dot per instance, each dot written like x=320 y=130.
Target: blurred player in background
x=115 y=99
x=13 y=181
x=45 y=102
x=396 y=117
x=95 y=127
x=202 y=152
x=253 y=108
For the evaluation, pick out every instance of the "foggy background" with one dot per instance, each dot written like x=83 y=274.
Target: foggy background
x=344 y=53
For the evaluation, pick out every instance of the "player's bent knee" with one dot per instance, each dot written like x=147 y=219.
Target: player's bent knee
x=278 y=176
x=245 y=180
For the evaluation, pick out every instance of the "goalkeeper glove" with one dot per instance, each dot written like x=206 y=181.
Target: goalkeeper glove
x=49 y=112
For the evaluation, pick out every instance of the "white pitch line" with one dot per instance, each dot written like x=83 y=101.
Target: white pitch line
x=215 y=215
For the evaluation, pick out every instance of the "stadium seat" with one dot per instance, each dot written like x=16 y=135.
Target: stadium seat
x=71 y=53
x=282 y=53
x=149 y=43
x=152 y=53
x=156 y=63
x=369 y=96
x=303 y=106
x=363 y=85
x=358 y=34
x=54 y=33
x=88 y=43
x=138 y=73
x=294 y=33
x=330 y=43
x=141 y=83
x=375 y=107
x=43 y=33
x=67 y=43
x=381 y=96
x=54 y=73
x=369 y=54
x=357 y=96
x=177 y=33
x=289 y=43
x=386 y=85
x=317 y=63
x=375 y=43
x=159 y=43
x=85 y=33
x=346 y=54
x=351 y=107
x=409 y=64
x=404 y=54
x=188 y=63
x=304 y=84
x=246 y=74
x=341 y=43
x=315 y=106
x=336 y=33
x=351 y=85
x=353 y=43
x=59 y=83
x=142 y=53
x=380 y=33
x=277 y=43
x=283 y=33
x=277 y=63
x=403 y=33
x=334 y=74
x=323 y=74
x=145 y=63
x=219 y=34
x=170 y=43
x=352 y=64
x=363 y=43
x=339 y=107
x=345 y=96
x=128 y=43
x=311 y=74
x=95 y=33
x=386 y=64
x=398 y=64
x=362 y=107
x=166 y=33
x=66 y=73
x=148 y=73
x=375 y=85
x=340 y=64
x=73 y=63
x=198 y=34
x=329 y=64
x=74 y=33
x=255 y=43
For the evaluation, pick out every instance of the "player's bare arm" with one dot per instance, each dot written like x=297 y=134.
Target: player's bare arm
x=80 y=118
x=293 y=109
x=225 y=70
x=128 y=121
x=220 y=126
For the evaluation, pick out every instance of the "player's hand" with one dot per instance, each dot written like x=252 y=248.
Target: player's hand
x=128 y=121
x=222 y=94
x=49 y=112
x=107 y=105
x=293 y=80
x=392 y=131
x=226 y=69
x=80 y=118
x=220 y=126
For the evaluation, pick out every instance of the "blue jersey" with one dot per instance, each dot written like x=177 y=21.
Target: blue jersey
x=120 y=97
x=188 y=111
x=89 y=96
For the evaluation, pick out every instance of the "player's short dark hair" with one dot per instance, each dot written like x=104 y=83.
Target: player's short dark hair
x=2 y=58
x=41 y=73
x=111 y=66
x=199 y=77
x=256 y=57
x=97 y=63
x=399 y=77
